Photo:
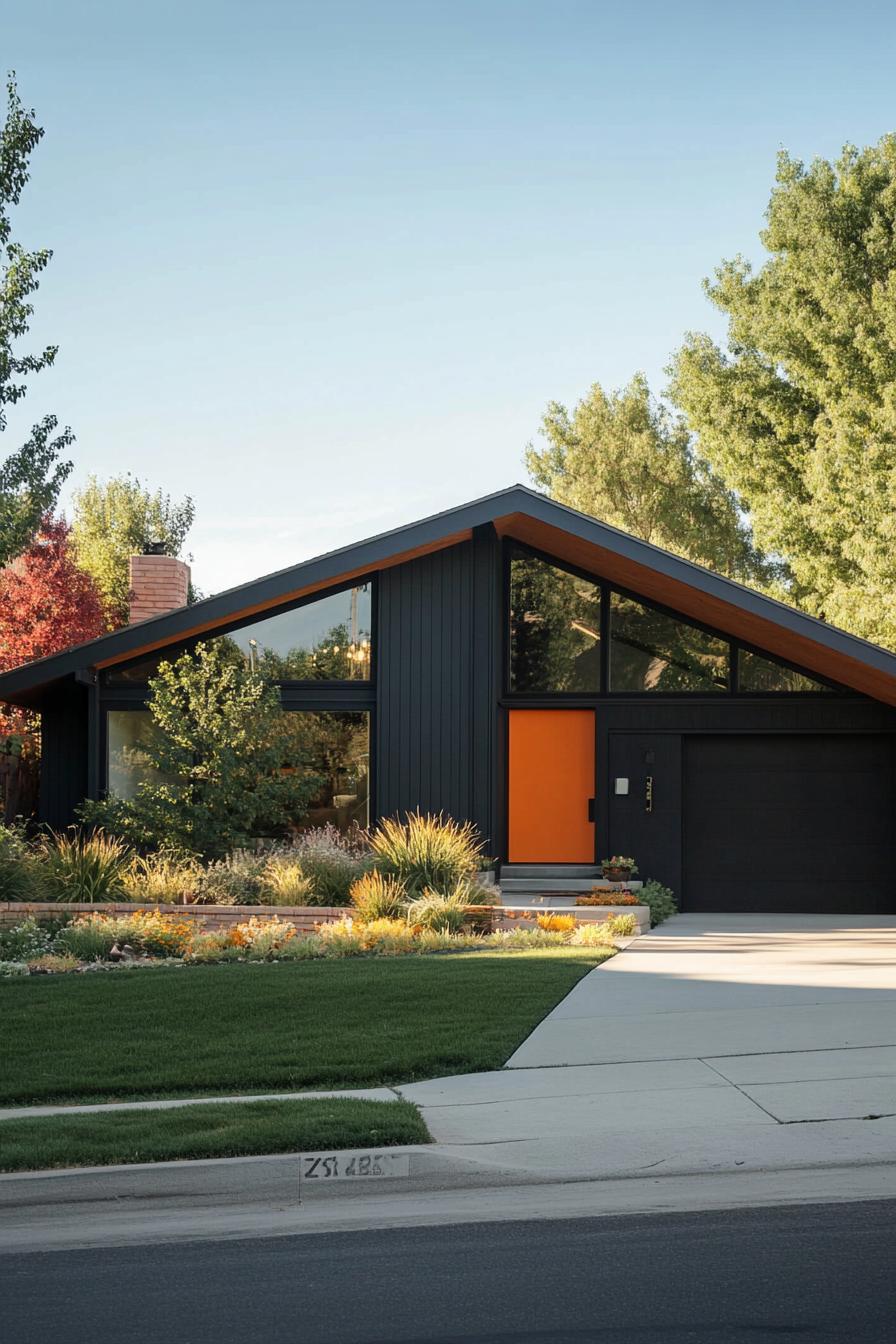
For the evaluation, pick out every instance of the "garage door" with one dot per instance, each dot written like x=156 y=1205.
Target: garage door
x=790 y=823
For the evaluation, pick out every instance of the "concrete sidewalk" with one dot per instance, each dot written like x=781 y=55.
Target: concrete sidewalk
x=715 y=1043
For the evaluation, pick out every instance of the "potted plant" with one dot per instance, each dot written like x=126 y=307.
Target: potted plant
x=619 y=868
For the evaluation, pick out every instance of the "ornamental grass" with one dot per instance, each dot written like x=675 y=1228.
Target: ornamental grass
x=427 y=852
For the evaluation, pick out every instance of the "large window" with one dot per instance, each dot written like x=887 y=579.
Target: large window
x=554 y=628
x=128 y=733
x=652 y=651
x=332 y=746
x=325 y=640
x=758 y=673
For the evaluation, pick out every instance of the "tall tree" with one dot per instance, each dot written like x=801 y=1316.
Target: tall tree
x=118 y=518
x=798 y=414
x=47 y=604
x=31 y=477
x=624 y=458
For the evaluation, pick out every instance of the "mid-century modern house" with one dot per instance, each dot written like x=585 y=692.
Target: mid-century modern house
x=574 y=691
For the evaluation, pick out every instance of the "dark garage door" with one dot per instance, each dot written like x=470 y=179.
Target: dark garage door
x=789 y=823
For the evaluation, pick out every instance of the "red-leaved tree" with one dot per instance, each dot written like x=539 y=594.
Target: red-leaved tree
x=47 y=605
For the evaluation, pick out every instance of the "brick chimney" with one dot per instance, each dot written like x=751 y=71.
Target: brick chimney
x=159 y=583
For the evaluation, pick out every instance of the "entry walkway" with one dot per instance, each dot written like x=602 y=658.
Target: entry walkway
x=714 y=1043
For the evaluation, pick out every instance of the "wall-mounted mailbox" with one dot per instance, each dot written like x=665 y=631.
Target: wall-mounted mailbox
x=620 y=785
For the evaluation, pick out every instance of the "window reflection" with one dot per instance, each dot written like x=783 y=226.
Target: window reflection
x=652 y=651
x=554 y=628
x=325 y=640
x=755 y=673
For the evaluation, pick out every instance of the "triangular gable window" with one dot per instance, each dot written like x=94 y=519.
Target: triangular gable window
x=758 y=673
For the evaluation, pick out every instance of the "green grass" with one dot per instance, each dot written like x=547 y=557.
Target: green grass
x=218 y=1130
x=233 y=1029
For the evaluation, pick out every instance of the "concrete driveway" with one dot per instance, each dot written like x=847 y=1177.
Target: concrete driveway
x=715 y=1043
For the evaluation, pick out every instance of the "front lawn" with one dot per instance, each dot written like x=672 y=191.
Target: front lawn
x=232 y=1029
x=226 y=1129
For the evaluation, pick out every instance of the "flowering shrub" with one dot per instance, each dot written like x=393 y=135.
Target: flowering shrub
x=91 y=937
x=556 y=923
x=340 y=939
x=619 y=863
x=25 y=941
x=331 y=860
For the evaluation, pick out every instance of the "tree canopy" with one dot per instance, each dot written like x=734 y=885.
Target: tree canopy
x=118 y=518
x=225 y=764
x=626 y=459
x=798 y=413
x=32 y=476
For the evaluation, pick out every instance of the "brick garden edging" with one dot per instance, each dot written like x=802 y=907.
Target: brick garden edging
x=305 y=917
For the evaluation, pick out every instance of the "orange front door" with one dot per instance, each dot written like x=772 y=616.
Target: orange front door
x=551 y=782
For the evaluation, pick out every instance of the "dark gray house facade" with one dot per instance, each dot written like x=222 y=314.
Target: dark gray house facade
x=572 y=690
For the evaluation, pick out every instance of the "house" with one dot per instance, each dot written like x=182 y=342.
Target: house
x=574 y=691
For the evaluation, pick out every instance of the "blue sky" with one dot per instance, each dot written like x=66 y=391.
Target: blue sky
x=322 y=266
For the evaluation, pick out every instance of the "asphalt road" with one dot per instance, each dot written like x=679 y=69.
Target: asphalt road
x=812 y=1272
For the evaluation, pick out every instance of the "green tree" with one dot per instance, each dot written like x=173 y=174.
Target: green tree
x=798 y=415
x=223 y=765
x=118 y=518
x=626 y=459
x=30 y=477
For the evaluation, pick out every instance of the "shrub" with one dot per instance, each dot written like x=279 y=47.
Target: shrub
x=427 y=852
x=600 y=897
x=332 y=861
x=166 y=877
x=387 y=936
x=8 y=969
x=519 y=939
x=378 y=895
x=205 y=947
x=261 y=939
x=556 y=923
x=623 y=926
x=594 y=933
x=661 y=900
x=21 y=877
x=283 y=882
x=236 y=880
x=153 y=933
x=89 y=937
x=51 y=963
x=85 y=868
x=25 y=941
x=448 y=912
x=340 y=939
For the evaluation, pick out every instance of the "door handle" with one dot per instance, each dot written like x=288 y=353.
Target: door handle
x=591 y=802
x=648 y=794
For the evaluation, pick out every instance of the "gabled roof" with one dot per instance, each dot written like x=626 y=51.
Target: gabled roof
x=529 y=517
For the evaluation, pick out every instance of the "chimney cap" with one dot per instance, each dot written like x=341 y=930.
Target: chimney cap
x=154 y=548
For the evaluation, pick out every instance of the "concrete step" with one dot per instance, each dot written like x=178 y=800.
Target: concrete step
x=551 y=870
x=530 y=886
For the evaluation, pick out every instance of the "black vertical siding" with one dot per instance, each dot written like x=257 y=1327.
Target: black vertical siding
x=64 y=754
x=435 y=699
